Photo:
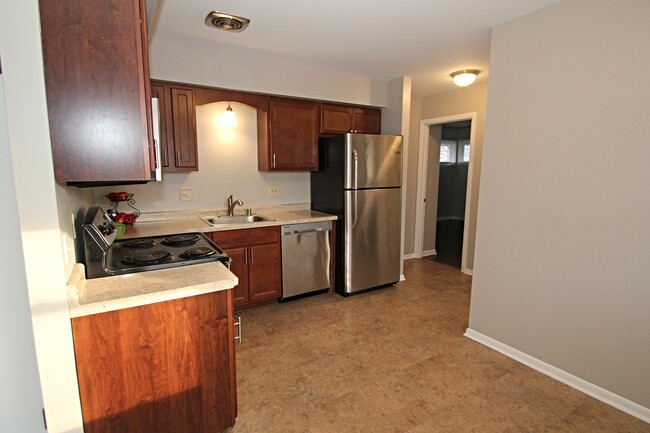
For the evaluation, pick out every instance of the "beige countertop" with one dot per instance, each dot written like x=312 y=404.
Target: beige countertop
x=99 y=295
x=197 y=223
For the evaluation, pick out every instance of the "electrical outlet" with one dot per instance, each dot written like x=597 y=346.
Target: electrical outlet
x=274 y=191
x=187 y=194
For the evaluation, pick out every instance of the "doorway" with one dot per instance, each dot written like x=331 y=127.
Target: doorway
x=443 y=188
x=454 y=157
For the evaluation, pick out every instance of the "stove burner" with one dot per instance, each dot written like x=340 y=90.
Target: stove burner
x=151 y=258
x=193 y=253
x=139 y=243
x=180 y=240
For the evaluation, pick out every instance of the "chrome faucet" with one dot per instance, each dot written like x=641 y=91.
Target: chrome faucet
x=231 y=205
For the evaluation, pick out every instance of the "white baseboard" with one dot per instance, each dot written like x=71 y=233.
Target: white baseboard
x=607 y=397
x=402 y=277
x=432 y=252
x=467 y=271
x=409 y=256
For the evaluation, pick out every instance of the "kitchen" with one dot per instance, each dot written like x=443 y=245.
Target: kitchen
x=39 y=231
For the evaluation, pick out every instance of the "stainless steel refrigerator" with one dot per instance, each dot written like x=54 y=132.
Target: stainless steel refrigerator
x=359 y=179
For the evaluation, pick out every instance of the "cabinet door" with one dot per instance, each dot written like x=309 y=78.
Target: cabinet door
x=335 y=119
x=293 y=135
x=239 y=267
x=167 y=367
x=97 y=84
x=264 y=272
x=366 y=120
x=166 y=134
x=184 y=129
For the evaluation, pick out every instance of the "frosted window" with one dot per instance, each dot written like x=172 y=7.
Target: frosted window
x=448 y=151
x=466 y=153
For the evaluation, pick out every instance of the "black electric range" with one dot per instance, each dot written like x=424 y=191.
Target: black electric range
x=104 y=256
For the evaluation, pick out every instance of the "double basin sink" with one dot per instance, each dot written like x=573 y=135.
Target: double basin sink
x=236 y=219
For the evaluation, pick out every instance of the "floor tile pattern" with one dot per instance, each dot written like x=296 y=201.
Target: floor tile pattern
x=395 y=360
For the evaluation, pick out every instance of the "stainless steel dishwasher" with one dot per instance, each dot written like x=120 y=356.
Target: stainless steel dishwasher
x=306 y=258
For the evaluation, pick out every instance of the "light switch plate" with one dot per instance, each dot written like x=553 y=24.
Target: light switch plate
x=274 y=191
x=187 y=194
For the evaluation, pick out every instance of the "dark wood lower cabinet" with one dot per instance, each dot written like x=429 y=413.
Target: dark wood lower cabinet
x=167 y=367
x=256 y=260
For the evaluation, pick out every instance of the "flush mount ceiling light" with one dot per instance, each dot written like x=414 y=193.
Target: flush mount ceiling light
x=226 y=22
x=464 y=77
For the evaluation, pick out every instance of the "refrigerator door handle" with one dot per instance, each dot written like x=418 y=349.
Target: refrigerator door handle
x=353 y=208
x=356 y=168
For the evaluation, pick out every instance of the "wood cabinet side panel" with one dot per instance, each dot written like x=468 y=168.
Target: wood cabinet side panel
x=162 y=367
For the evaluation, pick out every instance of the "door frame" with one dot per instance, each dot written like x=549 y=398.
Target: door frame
x=423 y=158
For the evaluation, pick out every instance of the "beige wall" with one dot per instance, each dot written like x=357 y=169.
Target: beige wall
x=227 y=165
x=468 y=100
x=563 y=242
x=42 y=234
x=234 y=67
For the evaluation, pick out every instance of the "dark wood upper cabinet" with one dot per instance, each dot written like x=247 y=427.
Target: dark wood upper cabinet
x=97 y=84
x=178 y=140
x=292 y=136
x=339 y=119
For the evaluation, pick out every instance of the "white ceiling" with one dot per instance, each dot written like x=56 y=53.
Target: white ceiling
x=381 y=39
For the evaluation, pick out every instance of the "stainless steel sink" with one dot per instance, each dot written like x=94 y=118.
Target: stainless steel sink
x=237 y=219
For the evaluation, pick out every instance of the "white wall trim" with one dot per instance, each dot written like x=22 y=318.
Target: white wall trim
x=402 y=277
x=427 y=253
x=467 y=271
x=423 y=156
x=409 y=256
x=608 y=397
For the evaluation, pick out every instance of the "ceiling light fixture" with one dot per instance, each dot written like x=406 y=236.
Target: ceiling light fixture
x=226 y=22
x=465 y=77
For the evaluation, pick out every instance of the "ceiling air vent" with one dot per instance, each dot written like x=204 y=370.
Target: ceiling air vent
x=227 y=22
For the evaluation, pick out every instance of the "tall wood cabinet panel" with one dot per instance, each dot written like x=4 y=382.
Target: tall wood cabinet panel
x=339 y=119
x=97 y=84
x=292 y=136
x=179 y=148
x=167 y=367
x=256 y=261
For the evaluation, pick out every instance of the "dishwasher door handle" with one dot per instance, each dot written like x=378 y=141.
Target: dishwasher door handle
x=298 y=232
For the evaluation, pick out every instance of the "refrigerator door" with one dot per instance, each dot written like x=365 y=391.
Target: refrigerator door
x=372 y=238
x=372 y=161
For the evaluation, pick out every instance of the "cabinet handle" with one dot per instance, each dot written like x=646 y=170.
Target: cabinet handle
x=178 y=157
x=246 y=257
x=164 y=157
x=238 y=333
x=273 y=161
x=252 y=256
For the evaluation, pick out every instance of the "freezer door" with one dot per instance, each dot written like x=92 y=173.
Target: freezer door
x=372 y=161
x=372 y=238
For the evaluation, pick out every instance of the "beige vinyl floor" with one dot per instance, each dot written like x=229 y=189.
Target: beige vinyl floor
x=395 y=360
